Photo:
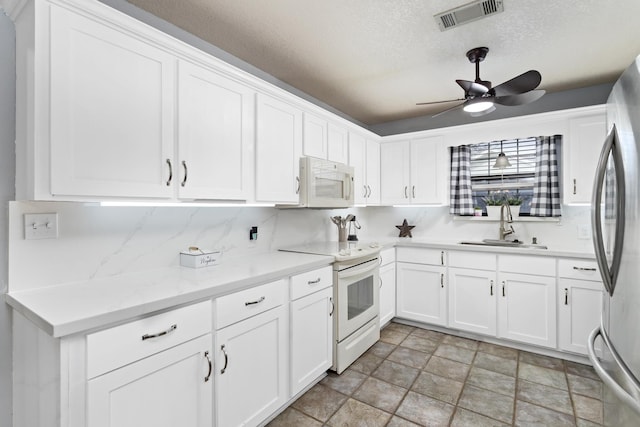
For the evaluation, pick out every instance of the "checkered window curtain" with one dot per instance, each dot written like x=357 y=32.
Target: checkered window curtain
x=546 y=187
x=461 y=196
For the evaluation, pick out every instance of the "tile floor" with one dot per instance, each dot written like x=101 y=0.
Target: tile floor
x=417 y=377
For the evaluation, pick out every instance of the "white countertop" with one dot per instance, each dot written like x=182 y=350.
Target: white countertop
x=79 y=307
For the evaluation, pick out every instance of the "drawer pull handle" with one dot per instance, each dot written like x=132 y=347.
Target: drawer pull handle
x=442 y=258
x=254 y=302
x=503 y=285
x=159 y=334
x=442 y=280
x=333 y=306
x=208 y=377
x=314 y=282
x=566 y=296
x=575 y=186
x=170 y=172
x=491 y=293
x=584 y=268
x=226 y=359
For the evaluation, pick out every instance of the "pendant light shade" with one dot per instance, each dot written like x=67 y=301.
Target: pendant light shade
x=502 y=162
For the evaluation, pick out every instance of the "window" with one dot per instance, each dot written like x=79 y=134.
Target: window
x=516 y=180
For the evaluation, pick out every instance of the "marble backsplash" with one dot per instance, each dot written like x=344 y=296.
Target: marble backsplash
x=97 y=241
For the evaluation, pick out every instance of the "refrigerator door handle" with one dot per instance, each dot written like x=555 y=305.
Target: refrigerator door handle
x=615 y=387
x=609 y=274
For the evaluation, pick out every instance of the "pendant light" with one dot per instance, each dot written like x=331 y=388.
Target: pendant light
x=502 y=162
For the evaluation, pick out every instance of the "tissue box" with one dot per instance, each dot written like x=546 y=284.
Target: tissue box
x=197 y=258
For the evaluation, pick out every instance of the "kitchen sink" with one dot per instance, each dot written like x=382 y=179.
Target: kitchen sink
x=503 y=243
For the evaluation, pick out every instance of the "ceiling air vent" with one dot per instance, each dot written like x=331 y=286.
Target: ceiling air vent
x=467 y=13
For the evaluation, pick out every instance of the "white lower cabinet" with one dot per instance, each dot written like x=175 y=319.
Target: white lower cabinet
x=472 y=300
x=170 y=388
x=387 y=293
x=251 y=368
x=421 y=293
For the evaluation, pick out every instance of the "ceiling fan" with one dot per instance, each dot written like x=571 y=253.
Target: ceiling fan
x=480 y=97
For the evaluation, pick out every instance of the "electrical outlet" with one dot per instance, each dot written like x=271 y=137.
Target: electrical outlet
x=41 y=226
x=584 y=232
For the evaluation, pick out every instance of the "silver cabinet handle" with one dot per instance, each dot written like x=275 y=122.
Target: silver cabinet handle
x=159 y=334
x=491 y=289
x=584 y=268
x=184 y=180
x=298 y=185
x=575 y=186
x=333 y=306
x=254 y=302
x=170 y=172
x=364 y=187
x=442 y=280
x=405 y=192
x=314 y=282
x=442 y=258
x=208 y=377
x=503 y=286
x=226 y=359
x=380 y=280
x=369 y=188
x=413 y=191
x=566 y=296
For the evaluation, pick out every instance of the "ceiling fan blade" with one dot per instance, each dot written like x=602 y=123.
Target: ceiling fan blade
x=439 y=102
x=472 y=88
x=457 y=107
x=520 y=99
x=520 y=84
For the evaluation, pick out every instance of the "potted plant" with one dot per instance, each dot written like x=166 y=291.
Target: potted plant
x=477 y=211
x=493 y=201
x=514 y=205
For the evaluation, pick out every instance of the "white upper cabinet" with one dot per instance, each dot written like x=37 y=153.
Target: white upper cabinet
x=215 y=135
x=278 y=150
x=364 y=157
x=395 y=173
x=581 y=154
x=111 y=131
x=337 y=144
x=315 y=136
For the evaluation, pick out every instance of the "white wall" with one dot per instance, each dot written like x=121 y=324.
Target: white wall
x=7 y=191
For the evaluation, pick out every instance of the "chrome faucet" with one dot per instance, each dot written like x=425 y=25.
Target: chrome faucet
x=503 y=230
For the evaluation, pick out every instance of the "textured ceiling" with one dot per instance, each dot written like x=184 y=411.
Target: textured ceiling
x=374 y=59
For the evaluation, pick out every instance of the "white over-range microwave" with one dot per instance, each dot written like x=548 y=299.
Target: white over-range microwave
x=325 y=184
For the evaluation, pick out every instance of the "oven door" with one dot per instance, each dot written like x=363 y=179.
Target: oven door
x=357 y=297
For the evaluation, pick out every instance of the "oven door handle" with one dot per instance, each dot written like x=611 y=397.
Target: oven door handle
x=362 y=269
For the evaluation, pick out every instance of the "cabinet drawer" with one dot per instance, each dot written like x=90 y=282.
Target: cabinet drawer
x=244 y=304
x=536 y=265
x=421 y=256
x=120 y=345
x=474 y=260
x=387 y=256
x=579 y=269
x=311 y=281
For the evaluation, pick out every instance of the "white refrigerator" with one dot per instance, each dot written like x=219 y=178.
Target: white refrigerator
x=616 y=237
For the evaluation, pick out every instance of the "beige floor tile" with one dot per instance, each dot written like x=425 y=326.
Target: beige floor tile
x=400 y=327
x=381 y=349
x=541 y=375
x=494 y=381
x=396 y=373
x=438 y=387
x=464 y=418
x=540 y=360
x=424 y=410
x=345 y=383
x=400 y=422
x=498 y=350
x=496 y=364
x=581 y=369
x=460 y=342
x=406 y=356
x=487 y=403
x=584 y=423
x=588 y=408
x=455 y=353
x=447 y=368
x=428 y=334
x=380 y=394
x=357 y=414
x=542 y=395
x=367 y=363
x=418 y=343
x=392 y=336
x=585 y=386
x=291 y=417
x=532 y=415
x=320 y=402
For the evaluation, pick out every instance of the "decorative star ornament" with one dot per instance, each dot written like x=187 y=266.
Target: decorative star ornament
x=405 y=229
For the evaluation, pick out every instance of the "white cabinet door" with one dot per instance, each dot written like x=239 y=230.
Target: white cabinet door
x=215 y=134
x=472 y=300
x=527 y=308
x=358 y=160
x=311 y=338
x=373 y=173
x=315 y=136
x=337 y=144
x=394 y=173
x=387 y=293
x=170 y=388
x=580 y=305
x=426 y=182
x=252 y=368
x=278 y=149
x=112 y=121
x=581 y=152
x=421 y=293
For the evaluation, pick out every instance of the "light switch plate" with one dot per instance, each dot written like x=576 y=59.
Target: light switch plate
x=41 y=226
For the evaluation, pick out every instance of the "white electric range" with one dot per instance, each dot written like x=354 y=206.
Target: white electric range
x=356 y=295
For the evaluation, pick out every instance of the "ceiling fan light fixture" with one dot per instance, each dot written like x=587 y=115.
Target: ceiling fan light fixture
x=477 y=107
